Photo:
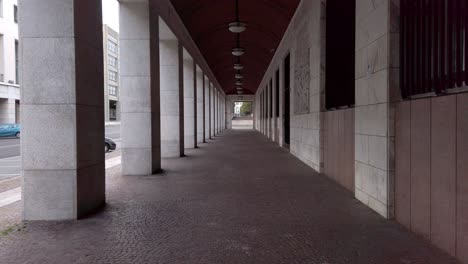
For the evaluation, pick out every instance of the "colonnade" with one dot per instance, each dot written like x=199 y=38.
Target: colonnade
x=168 y=102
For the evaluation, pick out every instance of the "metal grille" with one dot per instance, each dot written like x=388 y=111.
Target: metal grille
x=433 y=46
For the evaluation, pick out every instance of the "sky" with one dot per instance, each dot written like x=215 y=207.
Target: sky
x=110 y=13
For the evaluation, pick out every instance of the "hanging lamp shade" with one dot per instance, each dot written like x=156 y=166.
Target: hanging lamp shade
x=238 y=51
x=238 y=66
x=237 y=27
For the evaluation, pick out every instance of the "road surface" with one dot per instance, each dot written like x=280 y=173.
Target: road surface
x=10 y=160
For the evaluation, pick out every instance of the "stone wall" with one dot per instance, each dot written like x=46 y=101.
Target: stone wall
x=302 y=39
x=431 y=172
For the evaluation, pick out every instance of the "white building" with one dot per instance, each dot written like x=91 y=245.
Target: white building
x=9 y=74
x=111 y=74
x=237 y=108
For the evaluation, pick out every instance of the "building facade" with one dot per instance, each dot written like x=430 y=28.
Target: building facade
x=9 y=51
x=111 y=74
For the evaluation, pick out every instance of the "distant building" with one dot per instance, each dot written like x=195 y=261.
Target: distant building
x=111 y=74
x=237 y=108
x=9 y=58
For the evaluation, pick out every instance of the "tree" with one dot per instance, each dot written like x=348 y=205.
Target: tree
x=246 y=109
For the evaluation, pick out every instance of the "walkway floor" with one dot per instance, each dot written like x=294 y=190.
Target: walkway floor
x=237 y=199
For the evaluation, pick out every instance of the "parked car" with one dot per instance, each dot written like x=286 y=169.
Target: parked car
x=10 y=130
x=109 y=145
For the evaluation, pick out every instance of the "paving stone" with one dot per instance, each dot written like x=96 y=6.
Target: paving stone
x=237 y=199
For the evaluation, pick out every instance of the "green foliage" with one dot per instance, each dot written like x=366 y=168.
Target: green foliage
x=246 y=109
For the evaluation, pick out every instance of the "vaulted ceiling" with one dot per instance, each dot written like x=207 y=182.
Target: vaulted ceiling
x=208 y=20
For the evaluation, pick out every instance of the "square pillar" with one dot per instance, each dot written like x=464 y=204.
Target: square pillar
x=216 y=111
x=206 y=87
x=200 y=105
x=190 y=126
x=63 y=111
x=172 y=107
x=376 y=84
x=139 y=96
x=213 y=110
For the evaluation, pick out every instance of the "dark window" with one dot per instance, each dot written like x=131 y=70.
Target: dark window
x=287 y=76
x=277 y=92
x=433 y=46
x=340 y=46
x=15 y=13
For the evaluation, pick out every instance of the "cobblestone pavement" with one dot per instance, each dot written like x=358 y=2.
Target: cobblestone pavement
x=237 y=199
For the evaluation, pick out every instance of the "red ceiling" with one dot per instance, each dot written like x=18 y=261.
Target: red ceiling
x=207 y=21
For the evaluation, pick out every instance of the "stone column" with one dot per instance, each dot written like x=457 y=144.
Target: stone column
x=200 y=106
x=275 y=118
x=223 y=114
x=212 y=110
x=172 y=119
x=207 y=109
x=213 y=96
x=216 y=111
x=189 y=101
x=139 y=95
x=269 y=134
x=376 y=86
x=62 y=111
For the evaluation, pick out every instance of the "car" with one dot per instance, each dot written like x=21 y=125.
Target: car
x=10 y=130
x=109 y=145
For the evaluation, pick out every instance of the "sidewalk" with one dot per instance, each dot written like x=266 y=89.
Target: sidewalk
x=237 y=199
x=10 y=196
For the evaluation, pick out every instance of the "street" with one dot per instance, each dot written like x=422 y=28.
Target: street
x=10 y=160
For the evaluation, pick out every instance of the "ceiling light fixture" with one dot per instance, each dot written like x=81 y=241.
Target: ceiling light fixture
x=238 y=51
x=239 y=76
x=237 y=26
x=239 y=83
x=238 y=66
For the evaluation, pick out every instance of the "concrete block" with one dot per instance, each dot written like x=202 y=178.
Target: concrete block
x=134 y=20
x=138 y=162
x=379 y=207
x=169 y=78
x=135 y=94
x=378 y=87
x=170 y=105
x=49 y=194
x=377 y=184
x=168 y=52
x=362 y=148
x=49 y=137
x=377 y=54
x=371 y=26
x=56 y=22
x=58 y=78
x=378 y=152
x=135 y=57
x=136 y=130
x=361 y=196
